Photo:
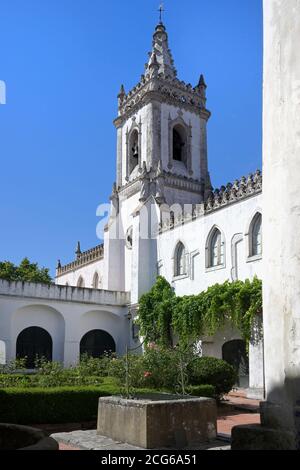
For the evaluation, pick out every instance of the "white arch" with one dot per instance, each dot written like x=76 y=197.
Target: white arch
x=43 y=316
x=44 y=340
x=102 y=341
x=102 y=320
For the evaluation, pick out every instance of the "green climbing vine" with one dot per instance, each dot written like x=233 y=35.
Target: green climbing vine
x=163 y=315
x=156 y=309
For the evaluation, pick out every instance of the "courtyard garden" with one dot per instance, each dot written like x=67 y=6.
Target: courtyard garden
x=53 y=394
x=171 y=362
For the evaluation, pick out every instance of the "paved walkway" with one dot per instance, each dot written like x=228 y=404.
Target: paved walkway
x=239 y=399
x=89 y=440
x=237 y=409
x=228 y=419
x=67 y=447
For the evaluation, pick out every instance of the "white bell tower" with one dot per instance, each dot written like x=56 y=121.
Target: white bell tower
x=161 y=152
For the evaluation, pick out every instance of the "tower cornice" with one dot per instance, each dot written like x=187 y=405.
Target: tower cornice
x=173 y=92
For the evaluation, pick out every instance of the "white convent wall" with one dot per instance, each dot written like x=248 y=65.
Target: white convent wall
x=233 y=221
x=281 y=203
x=67 y=313
x=86 y=272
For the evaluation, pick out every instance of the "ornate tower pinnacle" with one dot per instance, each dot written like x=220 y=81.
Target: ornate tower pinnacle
x=160 y=48
x=122 y=92
x=160 y=76
x=121 y=96
x=78 y=250
x=201 y=89
x=202 y=82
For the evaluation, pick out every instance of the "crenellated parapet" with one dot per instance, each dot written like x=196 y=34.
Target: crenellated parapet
x=230 y=193
x=83 y=258
x=217 y=199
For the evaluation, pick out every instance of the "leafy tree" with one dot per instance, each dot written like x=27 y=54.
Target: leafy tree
x=26 y=271
x=7 y=271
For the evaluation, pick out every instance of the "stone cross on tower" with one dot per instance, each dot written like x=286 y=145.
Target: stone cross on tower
x=161 y=10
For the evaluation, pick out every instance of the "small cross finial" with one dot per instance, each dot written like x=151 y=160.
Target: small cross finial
x=161 y=10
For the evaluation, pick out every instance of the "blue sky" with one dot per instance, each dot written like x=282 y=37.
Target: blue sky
x=63 y=62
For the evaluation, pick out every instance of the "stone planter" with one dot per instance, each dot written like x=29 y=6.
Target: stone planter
x=158 y=421
x=15 y=437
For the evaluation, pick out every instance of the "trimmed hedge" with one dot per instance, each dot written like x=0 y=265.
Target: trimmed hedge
x=64 y=379
x=216 y=372
x=51 y=405
x=64 y=404
x=207 y=391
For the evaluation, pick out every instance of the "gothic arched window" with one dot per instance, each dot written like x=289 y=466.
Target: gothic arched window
x=133 y=150
x=179 y=142
x=215 y=247
x=255 y=236
x=180 y=268
x=80 y=282
x=95 y=281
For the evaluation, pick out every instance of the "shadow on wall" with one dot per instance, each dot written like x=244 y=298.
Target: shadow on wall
x=280 y=422
x=283 y=406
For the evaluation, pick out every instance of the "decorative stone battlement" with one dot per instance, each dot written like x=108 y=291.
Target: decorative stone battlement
x=83 y=258
x=217 y=199
x=171 y=91
x=230 y=193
